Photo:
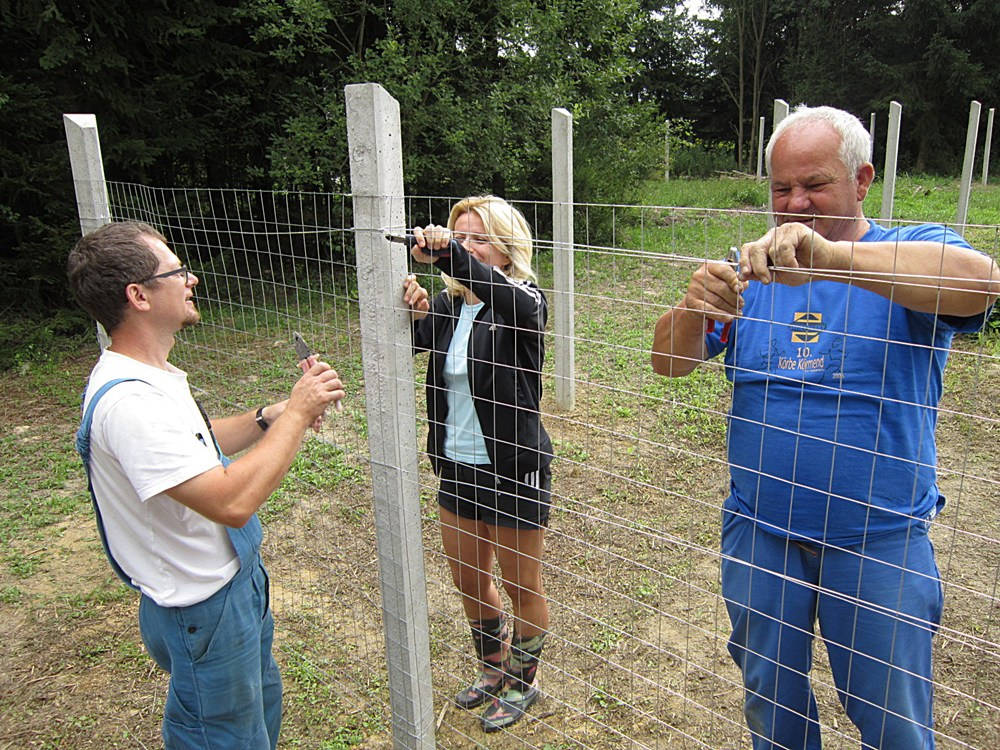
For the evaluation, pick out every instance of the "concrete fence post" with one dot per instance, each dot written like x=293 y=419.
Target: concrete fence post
x=373 y=136
x=562 y=258
x=92 y=204
x=760 y=149
x=780 y=113
x=666 y=151
x=968 y=164
x=891 y=151
x=986 y=146
x=871 y=138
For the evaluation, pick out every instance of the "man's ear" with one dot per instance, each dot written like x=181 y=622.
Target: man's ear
x=865 y=176
x=135 y=294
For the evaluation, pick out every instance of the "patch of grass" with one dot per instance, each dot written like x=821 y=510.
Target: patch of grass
x=605 y=697
x=125 y=653
x=605 y=639
x=572 y=451
x=23 y=564
x=317 y=702
x=35 y=476
x=318 y=465
x=696 y=404
x=646 y=589
x=89 y=604
x=323 y=466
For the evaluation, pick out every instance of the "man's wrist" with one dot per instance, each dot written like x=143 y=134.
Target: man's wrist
x=261 y=422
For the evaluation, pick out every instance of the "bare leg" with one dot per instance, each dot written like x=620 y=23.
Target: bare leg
x=470 y=554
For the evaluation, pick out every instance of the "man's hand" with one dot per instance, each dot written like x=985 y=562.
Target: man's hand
x=715 y=290
x=318 y=387
x=788 y=254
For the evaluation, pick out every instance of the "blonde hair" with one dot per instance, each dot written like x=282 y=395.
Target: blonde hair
x=506 y=230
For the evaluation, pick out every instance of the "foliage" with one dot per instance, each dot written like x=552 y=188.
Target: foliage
x=179 y=96
x=744 y=52
x=40 y=338
x=932 y=56
x=233 y=93
x=691 y=156
x=673 y=70
x=938 y=57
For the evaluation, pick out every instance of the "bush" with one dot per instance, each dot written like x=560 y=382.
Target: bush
x=25 y=340
x=701 y=159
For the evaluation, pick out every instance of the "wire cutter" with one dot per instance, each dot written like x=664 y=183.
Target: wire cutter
x=733 y=259
x=410 y=241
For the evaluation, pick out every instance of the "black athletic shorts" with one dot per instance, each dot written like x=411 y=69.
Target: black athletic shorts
x=479 y=493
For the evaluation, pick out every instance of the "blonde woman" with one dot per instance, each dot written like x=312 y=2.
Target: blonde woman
x=486 y=441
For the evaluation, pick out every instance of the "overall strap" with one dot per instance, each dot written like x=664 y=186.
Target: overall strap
x=246 y=540
x=83 y=448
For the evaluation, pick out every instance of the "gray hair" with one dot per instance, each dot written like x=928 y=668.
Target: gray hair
x=855 y=142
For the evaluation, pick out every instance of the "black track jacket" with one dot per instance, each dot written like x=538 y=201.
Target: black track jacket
x=506 y=351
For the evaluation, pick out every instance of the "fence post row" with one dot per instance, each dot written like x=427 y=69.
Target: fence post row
x=373 y=131
x=373 y=136
x=92 y=205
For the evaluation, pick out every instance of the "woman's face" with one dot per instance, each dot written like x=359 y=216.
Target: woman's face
x=469 y=231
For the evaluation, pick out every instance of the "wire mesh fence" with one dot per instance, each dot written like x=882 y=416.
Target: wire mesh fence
x=637 y=650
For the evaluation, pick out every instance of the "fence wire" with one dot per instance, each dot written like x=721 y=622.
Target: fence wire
x=636 y=656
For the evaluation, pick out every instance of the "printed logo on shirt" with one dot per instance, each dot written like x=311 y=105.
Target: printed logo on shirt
x=805 y=337
x=809 y=318
x=804 y=327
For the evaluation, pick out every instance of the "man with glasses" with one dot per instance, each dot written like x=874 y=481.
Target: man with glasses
x=177 y=518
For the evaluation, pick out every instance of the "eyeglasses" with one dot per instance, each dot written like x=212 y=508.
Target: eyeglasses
x=166 y=274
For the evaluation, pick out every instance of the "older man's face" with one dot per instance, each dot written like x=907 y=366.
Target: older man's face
x=810 y=184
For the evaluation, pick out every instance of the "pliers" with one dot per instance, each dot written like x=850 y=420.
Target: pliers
x=733 y=259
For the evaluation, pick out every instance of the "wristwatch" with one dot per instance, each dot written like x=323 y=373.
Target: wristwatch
x=261 y=422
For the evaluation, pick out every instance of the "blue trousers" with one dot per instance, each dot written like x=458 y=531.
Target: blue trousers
x=225 y=689
x=878 y=605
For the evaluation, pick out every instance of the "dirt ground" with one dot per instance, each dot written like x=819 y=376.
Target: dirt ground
x=637 y=653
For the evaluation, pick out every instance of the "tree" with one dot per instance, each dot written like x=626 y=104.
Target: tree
x=935 y=60
x=179 y=95
x=744 y=54
x=476 y=85
x=670 y=49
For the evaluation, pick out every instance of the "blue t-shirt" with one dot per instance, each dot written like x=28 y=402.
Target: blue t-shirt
x=835 y=393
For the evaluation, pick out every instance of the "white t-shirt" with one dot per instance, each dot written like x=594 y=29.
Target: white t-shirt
x=146 y=438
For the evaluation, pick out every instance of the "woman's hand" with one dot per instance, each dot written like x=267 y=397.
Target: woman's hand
x=415 y=296
x=432 y=237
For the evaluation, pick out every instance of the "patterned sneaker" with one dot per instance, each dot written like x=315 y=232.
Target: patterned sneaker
x=508 y=707
x=485 y=687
